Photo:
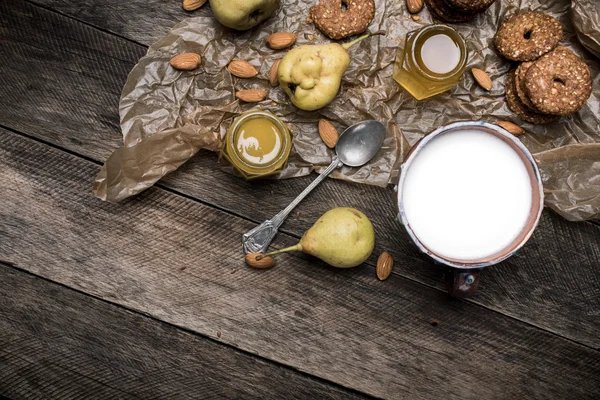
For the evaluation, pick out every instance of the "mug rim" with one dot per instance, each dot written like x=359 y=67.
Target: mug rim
x=528 y=228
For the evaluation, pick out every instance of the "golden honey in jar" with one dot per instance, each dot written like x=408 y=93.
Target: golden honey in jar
x=257 y=144
x=433 y=60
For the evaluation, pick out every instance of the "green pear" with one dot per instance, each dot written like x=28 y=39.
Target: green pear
x=311 y=74
x=243 y=14
x=342 y=237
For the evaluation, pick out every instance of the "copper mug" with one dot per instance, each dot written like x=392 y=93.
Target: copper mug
x=462 y=276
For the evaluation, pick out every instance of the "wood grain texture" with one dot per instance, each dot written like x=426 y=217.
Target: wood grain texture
x=45 y=70
x=181 y=262
x=58 y=343
x=144 y=22
x=62 y=81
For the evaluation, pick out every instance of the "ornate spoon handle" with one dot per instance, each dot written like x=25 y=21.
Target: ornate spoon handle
x=258 y=239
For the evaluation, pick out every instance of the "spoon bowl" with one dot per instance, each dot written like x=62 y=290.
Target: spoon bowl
x=359 y=143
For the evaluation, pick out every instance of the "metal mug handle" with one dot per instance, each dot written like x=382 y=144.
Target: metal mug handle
x=462 y=283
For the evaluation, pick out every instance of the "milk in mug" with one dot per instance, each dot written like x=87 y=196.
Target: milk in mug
x=467 y=195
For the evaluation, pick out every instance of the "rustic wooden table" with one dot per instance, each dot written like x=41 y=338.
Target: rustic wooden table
x=151 y=298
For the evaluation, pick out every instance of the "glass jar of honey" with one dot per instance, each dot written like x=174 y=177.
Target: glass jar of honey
x=433 y=60
x=257 y=144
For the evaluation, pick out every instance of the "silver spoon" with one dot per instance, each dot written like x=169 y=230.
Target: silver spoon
x=356 y=146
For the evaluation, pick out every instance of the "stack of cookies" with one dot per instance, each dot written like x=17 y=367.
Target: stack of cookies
x=551 y=80
x=457 y=10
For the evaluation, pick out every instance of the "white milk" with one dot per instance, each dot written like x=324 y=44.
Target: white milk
x=467 y=195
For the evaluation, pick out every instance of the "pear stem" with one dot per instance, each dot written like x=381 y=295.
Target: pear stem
x=361 y=38
x=297 y=247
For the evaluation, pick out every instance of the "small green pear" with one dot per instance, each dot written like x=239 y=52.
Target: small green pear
x=342 y=237
x=243 y=14
x=311 y=74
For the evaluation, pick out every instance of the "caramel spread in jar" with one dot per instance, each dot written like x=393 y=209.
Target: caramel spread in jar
x=257 y=144
x=258 y=141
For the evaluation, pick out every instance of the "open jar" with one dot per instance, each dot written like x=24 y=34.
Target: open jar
x=257 y=144
x=433 y=60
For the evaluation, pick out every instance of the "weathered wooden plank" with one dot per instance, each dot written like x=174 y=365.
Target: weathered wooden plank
x=52 y=64
x=179 y=261
x=144 y=22
x=74 y=77
x=58 y=343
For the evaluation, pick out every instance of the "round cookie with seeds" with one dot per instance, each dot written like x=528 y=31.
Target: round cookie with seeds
x=558 y=83
x=470 y=6
x=520 y=84
x=526 y=37
x=440 y=10
x=519 y=108
x=331 y=19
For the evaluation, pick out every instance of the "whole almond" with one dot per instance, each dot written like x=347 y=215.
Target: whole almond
x=191 y=5
x=414 y=6
x=482 y=78
x=186 y=61
x=511 y=127
x=328 y=133
x=281 y=40
x=242 y=69
x=385 y=262
x=251 y=95
x=261 y=263
x=274 y=73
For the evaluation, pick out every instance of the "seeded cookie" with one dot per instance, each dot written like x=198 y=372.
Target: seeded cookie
x=337 y=23
x=470 y=6
x=520 y=84
x=559 y=83
x=440 y=10
x=526 y=37
x=519 y=108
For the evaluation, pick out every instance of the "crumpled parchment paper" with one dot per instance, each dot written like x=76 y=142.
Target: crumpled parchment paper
x=169 y=115
x=585 y=15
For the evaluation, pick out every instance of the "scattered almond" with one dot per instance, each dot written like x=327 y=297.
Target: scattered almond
x=274 y=73
x=242 y=69
x=328 y=133
x=251 y=95
x=191 y=5
x=281 y=40
x=511 y=127
x=414 y=6
x=261 y=263
x=482 y=78
x=186 y=61
x=415 y=18
x=385 y=262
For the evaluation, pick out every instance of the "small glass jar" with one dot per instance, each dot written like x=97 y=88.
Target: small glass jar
x=433 y=60
x=257 y=144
